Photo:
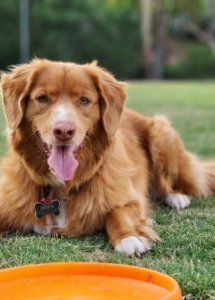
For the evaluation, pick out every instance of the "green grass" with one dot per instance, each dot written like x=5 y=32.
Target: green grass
x=3 y=144
x=187 y=250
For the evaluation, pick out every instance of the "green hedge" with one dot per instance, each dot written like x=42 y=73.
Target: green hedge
x=199 y=63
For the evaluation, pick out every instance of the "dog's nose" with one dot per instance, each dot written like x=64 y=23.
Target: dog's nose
x=64 y=131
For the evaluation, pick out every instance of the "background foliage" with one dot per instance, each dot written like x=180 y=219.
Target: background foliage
x=181 y=35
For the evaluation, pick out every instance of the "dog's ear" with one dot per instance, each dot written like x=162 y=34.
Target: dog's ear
x=15 y=88
x=112 y=96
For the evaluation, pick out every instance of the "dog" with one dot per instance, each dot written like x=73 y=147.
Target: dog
x=80 y=162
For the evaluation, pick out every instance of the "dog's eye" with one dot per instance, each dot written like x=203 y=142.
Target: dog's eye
x=84 y=101
x=42 y=98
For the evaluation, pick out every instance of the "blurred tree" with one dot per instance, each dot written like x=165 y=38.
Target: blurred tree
x=197 y=18
x=9 y=33
x=193 y=19
x=127 y=37
x=24 y=30
x=146 y=32
x=75 y=30
x=88 y=30
x=153 y=32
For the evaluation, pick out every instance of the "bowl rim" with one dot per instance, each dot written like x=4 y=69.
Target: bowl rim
x=94 y=269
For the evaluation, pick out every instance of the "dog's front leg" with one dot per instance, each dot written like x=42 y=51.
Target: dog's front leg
x=128 y=230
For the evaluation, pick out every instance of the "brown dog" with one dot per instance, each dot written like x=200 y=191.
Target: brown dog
x=78 y=163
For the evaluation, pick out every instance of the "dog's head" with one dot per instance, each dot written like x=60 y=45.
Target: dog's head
x=62 y=104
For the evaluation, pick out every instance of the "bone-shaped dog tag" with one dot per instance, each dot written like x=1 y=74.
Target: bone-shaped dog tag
x=42 y=209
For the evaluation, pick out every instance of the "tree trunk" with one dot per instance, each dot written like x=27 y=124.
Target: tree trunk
x=160 y=35
x=146 y=36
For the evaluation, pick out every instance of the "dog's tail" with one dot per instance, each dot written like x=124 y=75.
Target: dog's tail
x=208 y=168
x=196 y=177
x=202 y=177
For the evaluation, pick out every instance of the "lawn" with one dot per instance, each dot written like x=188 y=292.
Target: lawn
x=187 y=250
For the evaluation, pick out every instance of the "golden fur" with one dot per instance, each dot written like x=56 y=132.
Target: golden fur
x=123 y=156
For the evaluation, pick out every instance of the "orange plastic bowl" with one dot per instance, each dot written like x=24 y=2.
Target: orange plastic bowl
x=81 y=281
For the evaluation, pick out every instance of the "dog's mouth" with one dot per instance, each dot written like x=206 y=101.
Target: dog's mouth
x=60 y=158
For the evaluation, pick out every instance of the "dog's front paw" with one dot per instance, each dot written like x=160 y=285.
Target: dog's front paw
x=132 y=245
x=178 y=201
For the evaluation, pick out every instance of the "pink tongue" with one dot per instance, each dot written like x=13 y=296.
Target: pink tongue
x=62 y=161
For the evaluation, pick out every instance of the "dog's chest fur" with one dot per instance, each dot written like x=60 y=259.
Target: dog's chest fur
x=79 y=212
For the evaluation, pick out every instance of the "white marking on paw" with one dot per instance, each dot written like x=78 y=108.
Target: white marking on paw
x=132 y=245
x=178 y=201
